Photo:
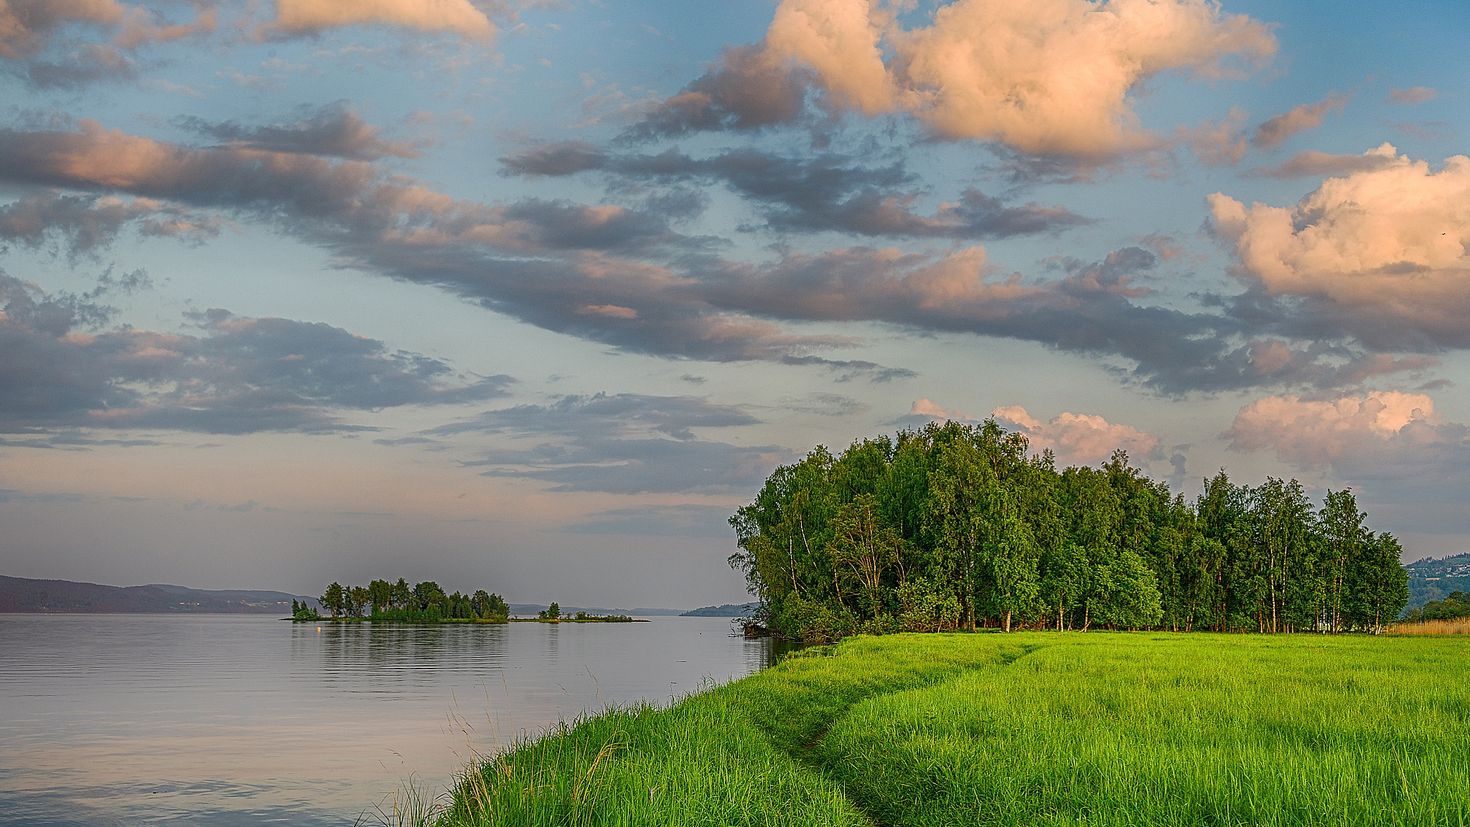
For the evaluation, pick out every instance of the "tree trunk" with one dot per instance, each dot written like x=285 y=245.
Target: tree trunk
x=1008 y=620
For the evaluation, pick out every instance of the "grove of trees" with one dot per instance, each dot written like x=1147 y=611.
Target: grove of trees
x=424 y=602
x=1452 y=607
x=960 y=526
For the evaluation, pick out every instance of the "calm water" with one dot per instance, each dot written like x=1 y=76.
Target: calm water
x=229 y=720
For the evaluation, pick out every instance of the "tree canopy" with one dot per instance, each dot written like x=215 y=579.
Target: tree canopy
x=959 y=525
x=425 y=602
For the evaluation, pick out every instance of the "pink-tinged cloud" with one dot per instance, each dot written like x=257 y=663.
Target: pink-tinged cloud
x=1319 y=433
x=1048 y=77
x=1080 y=439
x=1412 y=95
x=1312 y=163
x=928 y=408
x=460 y=17
x=1298 y=119
x=1385 y=251
x=27 y=26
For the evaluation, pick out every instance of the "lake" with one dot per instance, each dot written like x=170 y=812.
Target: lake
x=236 y=720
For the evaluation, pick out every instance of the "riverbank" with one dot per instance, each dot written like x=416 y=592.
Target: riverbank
x=1027 y=728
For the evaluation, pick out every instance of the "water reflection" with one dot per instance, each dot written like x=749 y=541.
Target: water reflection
x=220 y=720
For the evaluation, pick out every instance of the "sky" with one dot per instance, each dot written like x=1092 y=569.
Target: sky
x=530 y=296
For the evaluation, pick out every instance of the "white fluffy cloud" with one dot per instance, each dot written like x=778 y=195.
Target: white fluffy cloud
x=1387 y=249
x=1046 y=77
x=459 y=17
x=1084 y=439
x=1317 y=433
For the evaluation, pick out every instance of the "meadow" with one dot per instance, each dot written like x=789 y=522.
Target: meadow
x=1009 y=729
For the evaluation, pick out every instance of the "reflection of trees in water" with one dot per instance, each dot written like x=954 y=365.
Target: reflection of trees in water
x=398 y=652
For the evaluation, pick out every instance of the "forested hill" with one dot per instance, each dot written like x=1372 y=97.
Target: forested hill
x=1437 y=578
x=20 y=594
x=962 y=526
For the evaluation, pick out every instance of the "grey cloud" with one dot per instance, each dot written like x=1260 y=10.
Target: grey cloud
x=1275 y=131
x=828 y=192
x=624 y=443
x=824 y=404
x=333 y=130
x=83 y=67
x=743 y=91
x=84 y=223
x=658 y=520
x=623 y=413
x=239 y=375
x=1315 y=164
x=847 y=370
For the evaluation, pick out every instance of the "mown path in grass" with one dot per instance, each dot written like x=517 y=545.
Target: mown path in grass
x=1030 y=728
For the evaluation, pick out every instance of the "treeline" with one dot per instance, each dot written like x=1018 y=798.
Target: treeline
x=960 y=526
x=1452 y=607
x=424 y=602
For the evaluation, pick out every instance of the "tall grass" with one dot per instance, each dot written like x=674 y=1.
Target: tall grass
x=1458 y=626
x=1029 y=728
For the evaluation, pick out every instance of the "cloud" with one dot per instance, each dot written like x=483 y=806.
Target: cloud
x=623 y=443
x=1312 y=164
x=27 y=26
x=847 y=370
x=1080 y=439
x=1044 y=78
x=925 y=410
x=84 y=223
x=1381 y=252
x=61 y=369
x=671 y=416
x=828 y=192
x=333 y=130
x=81 y=67
x=656 y=521
x=1318 y=433
x=1412 y=95
x=824 y=404
x=1219 y=143
x=308 y=17
x=1299 y=118
x=1405 y=461
x=621 y=276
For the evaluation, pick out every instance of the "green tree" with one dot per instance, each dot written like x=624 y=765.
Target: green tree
x=334 y=599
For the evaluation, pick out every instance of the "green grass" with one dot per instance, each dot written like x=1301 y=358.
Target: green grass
x=1029 y=728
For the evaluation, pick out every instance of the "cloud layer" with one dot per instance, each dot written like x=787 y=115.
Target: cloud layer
x=61 y=368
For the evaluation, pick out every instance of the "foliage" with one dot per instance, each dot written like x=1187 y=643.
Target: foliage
x=384 y=602
x=303 y=611
x=1453 y=607
x=959 y=525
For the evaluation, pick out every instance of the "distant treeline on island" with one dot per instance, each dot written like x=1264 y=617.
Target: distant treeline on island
x=424 y=602
x=957 y=525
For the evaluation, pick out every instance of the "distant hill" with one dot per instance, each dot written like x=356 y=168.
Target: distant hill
x=21 y=594
x=723 y=610
x=1435 y=578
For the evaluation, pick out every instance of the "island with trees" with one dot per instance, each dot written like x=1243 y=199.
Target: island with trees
x=381 y=601
x=554 y=614
x=961 y=526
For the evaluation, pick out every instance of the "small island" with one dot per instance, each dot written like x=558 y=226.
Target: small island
x=383 y=602
x=553 y=614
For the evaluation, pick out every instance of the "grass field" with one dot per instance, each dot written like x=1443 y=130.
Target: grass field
x=1029 y=728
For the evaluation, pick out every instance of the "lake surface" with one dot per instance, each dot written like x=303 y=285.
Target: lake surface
x=236 y=720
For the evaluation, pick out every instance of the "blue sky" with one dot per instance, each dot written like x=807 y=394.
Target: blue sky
x=532 y=295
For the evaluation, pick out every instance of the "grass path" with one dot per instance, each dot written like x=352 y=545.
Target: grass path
x=1029 y=728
